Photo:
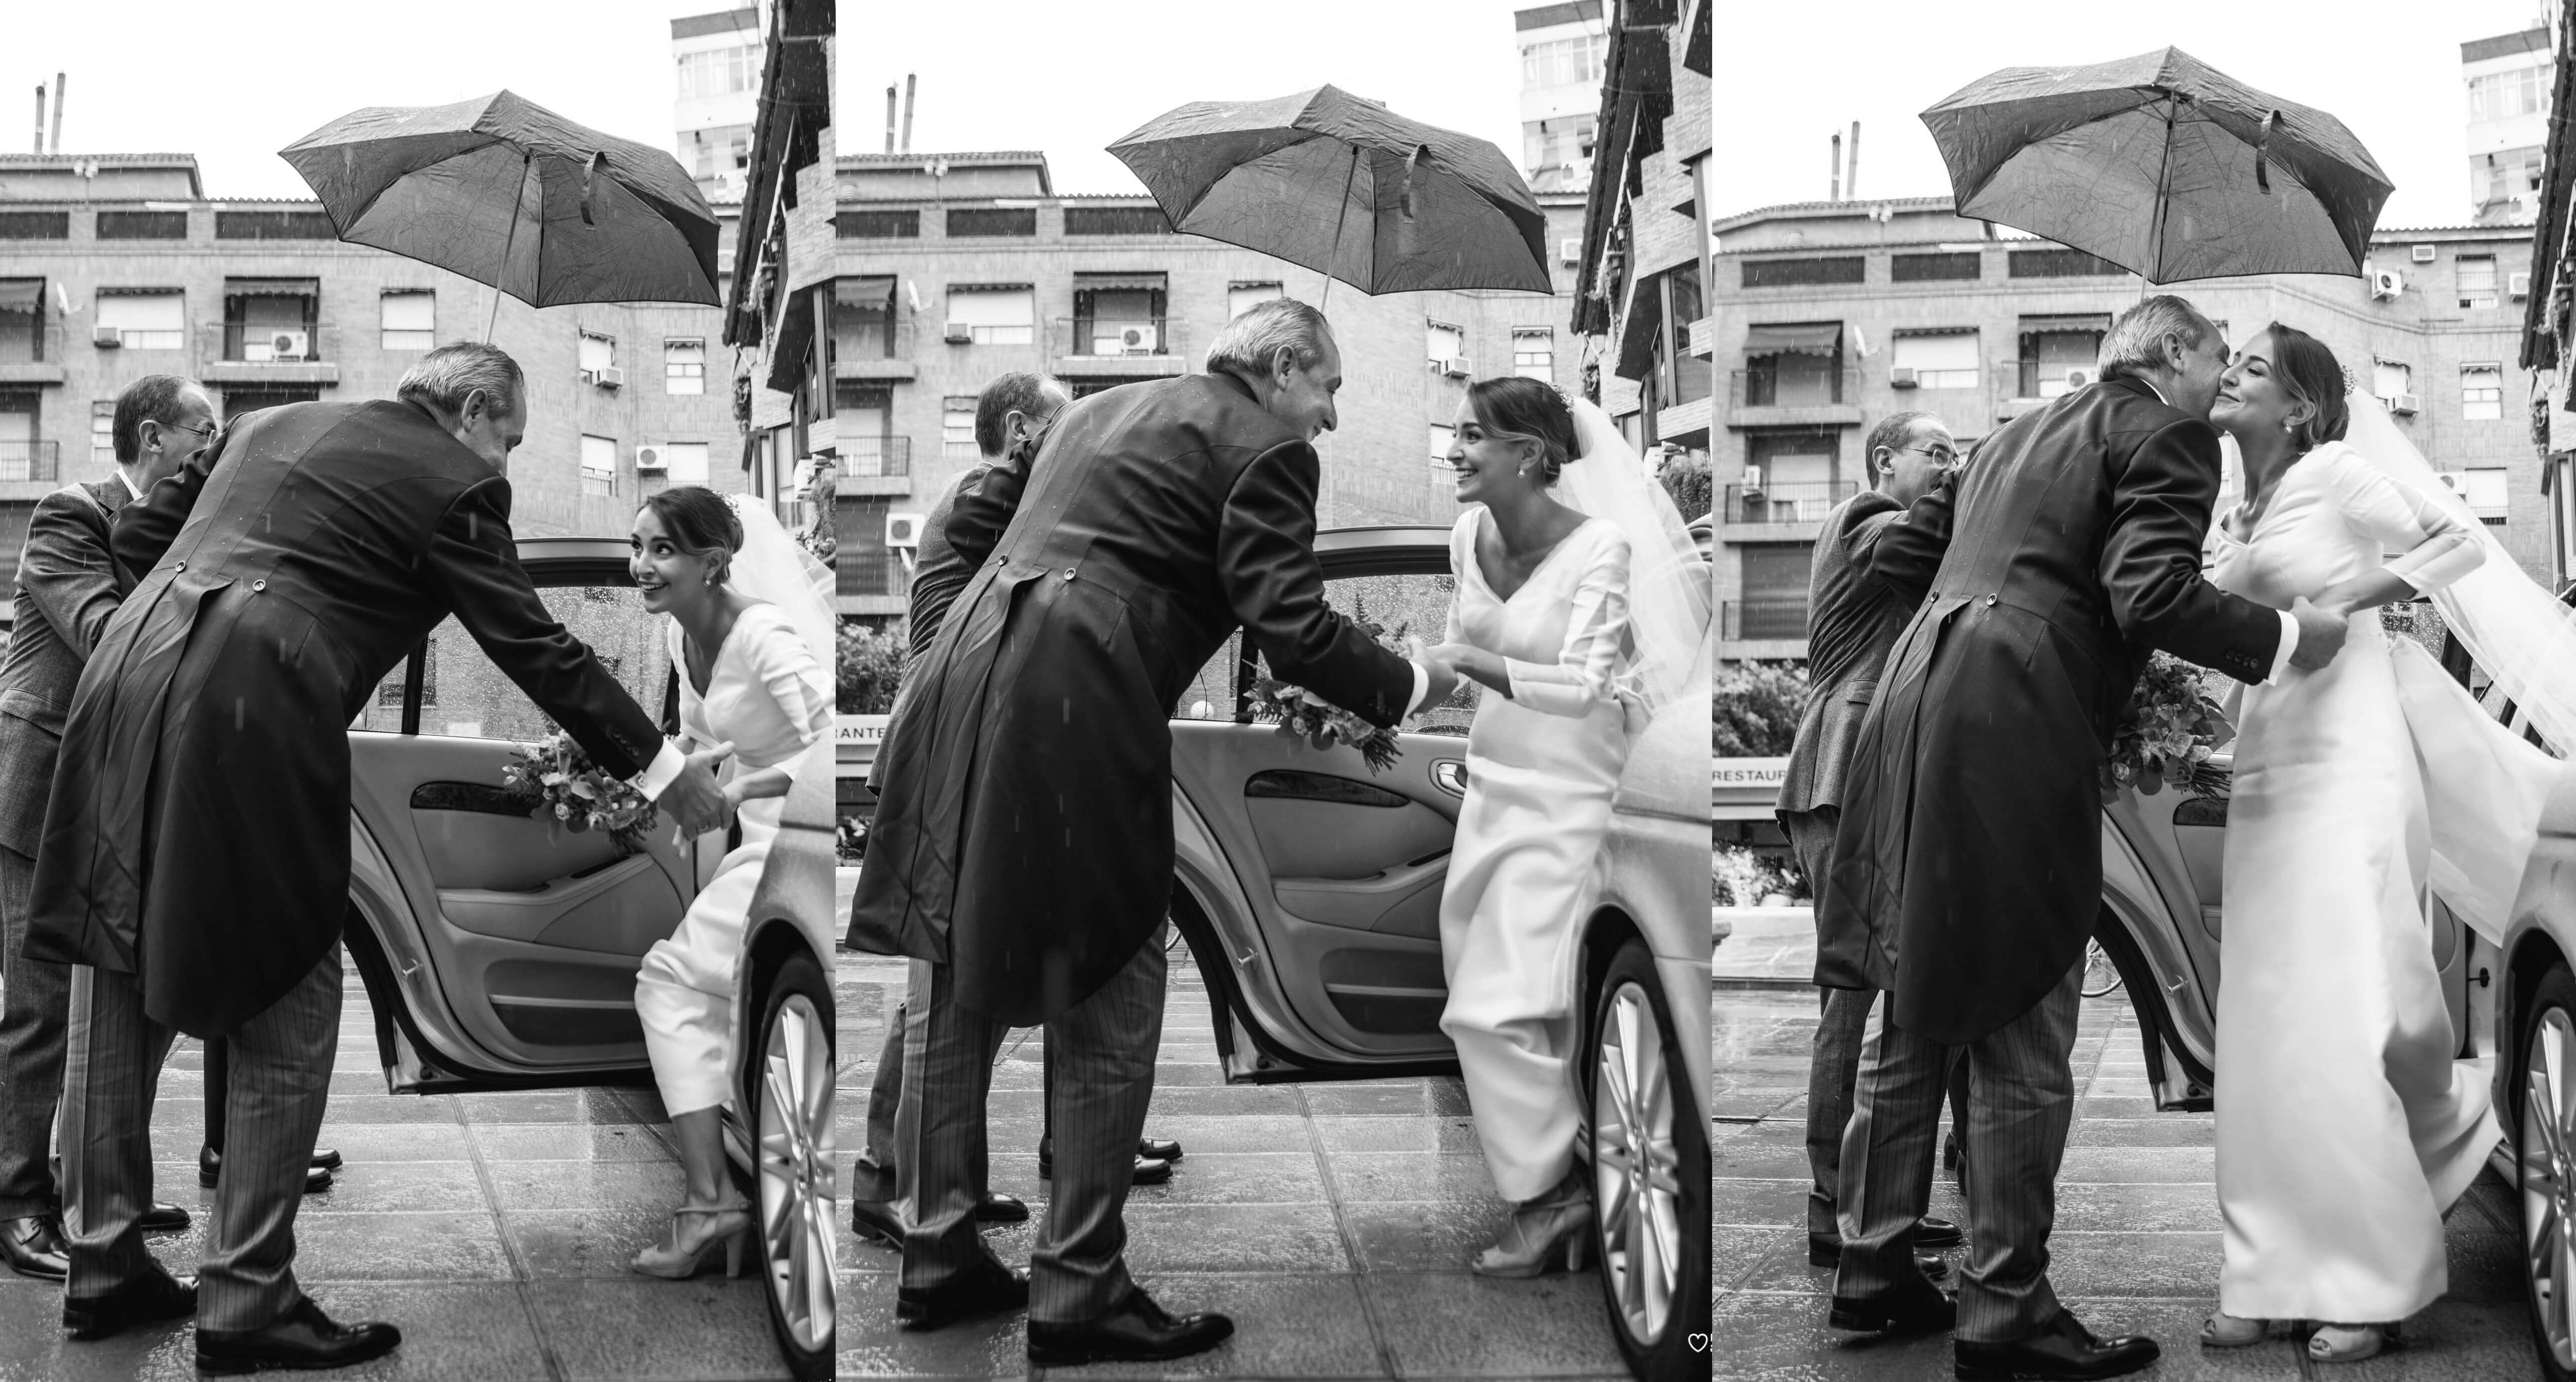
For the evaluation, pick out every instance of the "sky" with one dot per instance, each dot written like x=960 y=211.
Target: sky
x=233 y=81
x=2389 y=71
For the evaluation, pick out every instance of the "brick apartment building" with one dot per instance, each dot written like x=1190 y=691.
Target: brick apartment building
x=1831 y=315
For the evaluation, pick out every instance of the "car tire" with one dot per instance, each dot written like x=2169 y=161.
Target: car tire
x=1650 y=1174
x=788 y=1084
x=2543 y=1126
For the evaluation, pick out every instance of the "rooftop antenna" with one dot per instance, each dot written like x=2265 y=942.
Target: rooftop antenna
x=889 y=119
x=909 y=78
x=61 y=84
x=40 y=117
x=1851 y=166
x=1837 y=193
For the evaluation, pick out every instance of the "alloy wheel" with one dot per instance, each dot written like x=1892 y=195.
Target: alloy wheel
x=796 y=1169
x=2549 y=1181
x=1636 y=1172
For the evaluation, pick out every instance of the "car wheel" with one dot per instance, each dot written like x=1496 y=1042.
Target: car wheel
x=2545 y=1151
x=791 y=1092
x=1649 y=1175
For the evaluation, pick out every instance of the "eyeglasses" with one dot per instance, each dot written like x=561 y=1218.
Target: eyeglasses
x=1942 y=456
x=205 y=433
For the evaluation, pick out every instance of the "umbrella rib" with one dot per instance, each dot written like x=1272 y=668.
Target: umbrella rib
x=518 y=198
x=2164 y=197
x=1333 y=254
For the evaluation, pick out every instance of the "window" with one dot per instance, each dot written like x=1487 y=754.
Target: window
x=1116 y=220
x=878 y=225
x=146 y=321
x=2058 y=263
x=2057 y=351
x=1793 y=365
x=22 y=320
x=863 y=319
x=1678 y=375
x=1940 y=360
x=2389 y=379
x=685 y=462
x=1444 y=342
x=35 y=225
x=2477 y=275
x=475 y=700
x=1965 y=265
x=864 y=564
x=720 y=72
x=2503 y=95
x=1562 y=62
x=1119 y=314
x=1561 y=142
x=274 y=225
x=965 y=221
x=23 y=454
x=1443 y=436
x=597 y=353
x=864 y=426
x=2482 y=392
x=410 y=319
x=994 y=314
x=142 y=225
x=272 y=319
x=598 y=464
x=1789 y=477
x=389 y=693
x=102 y=432
x=1242 y=297
x=684 y=365
x=2485 y=492
x=1775 y=591
x=957 y=429
x=1534 y=352
x=1791 y=273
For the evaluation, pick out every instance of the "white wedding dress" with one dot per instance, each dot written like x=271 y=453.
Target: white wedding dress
x=2345 y=1126
x=1541 y=767
x=769 y=697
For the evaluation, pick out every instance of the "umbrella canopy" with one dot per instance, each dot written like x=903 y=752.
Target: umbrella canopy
x=508 y=193
x=2163 y=165
x=1346 y=187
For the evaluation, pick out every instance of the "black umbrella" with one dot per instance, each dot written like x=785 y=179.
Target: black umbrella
x=2164 y=166
x=506 y=192
x=1346 y=187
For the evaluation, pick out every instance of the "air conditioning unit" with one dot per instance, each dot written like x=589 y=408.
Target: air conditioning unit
x=277 y=346
x=2386 y=283
x=1752 y=483
x=610 y=377
x=959 y=333
x=904 y=529
x=107 y=338
x=1570 y=251
x=2405 y=405
x=1128 y=340
x=648 y=461
x=2518 y=284
x=2078 y=378
x=1458 y=367
x=2454 y=481
x=1901 y=377
x=2424 y=254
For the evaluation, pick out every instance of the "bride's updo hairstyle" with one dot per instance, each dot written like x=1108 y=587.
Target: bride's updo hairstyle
x=2308 y=371
x=701 y=524
x=1514 y=407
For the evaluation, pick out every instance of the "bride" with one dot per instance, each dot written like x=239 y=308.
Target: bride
x=2345 y=1126
x=751 y=631
x=1580 y=608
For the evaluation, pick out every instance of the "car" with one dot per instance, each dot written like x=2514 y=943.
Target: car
x=499 y=950
x=2513 y=1006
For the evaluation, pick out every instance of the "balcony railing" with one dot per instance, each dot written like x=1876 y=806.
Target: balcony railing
x=1113 y=337
x=872 y=338
x=1794 y=503
x=29 y=460
x=1771 y=617
x=1779 y=388
x=278 y=345
x=2034 y=379
x=875 y=455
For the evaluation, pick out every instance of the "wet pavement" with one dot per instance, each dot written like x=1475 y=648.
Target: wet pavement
x=2136 y=1249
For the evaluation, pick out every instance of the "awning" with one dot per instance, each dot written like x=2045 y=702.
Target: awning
x=1823 y=338
x=272 y=287
x=1120 y=283
x=21 y=293
x=1903 y=332
x=2081 y=321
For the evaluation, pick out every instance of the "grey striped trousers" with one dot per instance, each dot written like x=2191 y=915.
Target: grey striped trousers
x=2021 y=1101
x=280 y=1082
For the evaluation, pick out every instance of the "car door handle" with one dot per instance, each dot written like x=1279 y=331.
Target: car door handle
x=1450 y=775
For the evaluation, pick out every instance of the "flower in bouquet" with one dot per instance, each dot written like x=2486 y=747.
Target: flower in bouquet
x=2167 y=734
x=1306 y=717
x=556 y=778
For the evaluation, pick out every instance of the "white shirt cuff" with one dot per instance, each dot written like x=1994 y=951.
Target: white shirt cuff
x=1421 y=690
x=2289 y=645
x=657 y=775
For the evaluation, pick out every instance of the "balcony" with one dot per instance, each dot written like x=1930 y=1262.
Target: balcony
x=1794 y=503
x=872 y=456
x=871 y=348
x=1793 y=398
x=2049 y=379
x=1775 y=618
x=248 y=354
x=1125 y=346
x=24 y=461
x=31 y=350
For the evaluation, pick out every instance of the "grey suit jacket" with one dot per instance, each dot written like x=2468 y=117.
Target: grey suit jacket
x=68 y=585
x=1851 y=623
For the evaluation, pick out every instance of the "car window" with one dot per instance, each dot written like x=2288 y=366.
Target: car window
x=464 y=696
x=1414 y=606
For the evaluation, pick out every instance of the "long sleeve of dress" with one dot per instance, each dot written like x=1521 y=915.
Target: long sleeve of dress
x=1462 y=550
x=786 y=667
x=1595 y=628
x=2434 y=547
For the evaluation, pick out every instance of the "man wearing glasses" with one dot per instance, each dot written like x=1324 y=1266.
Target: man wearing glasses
x=1852 y=621
x=68 y=585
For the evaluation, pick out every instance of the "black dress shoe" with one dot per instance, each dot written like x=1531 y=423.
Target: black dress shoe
x=877 y=1219
x=34 y=1246
x=2062 y=1351
x=1827 y=1252
x=303 y=1337
x=156 y=1295
x=1937 y=1233
x=317 y=1177
x=1136 y=1331
x=163 y=1218
x=1915 y=1308
x=1158 y=1149
x=987 y=1289
x=999 y=1208
x=326 y=1158
x=1149 y=1170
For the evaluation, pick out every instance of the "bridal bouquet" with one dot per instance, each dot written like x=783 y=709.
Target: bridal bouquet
x=556 y=778
x=2167 y=733
x=1302 y=715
